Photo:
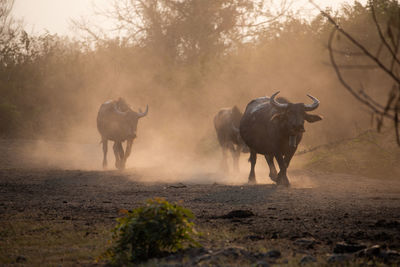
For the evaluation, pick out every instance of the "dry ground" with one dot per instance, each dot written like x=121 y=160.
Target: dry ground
x=57 y=216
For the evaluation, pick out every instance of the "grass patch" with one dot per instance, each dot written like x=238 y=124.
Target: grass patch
x=370 y=154
x=51 y=243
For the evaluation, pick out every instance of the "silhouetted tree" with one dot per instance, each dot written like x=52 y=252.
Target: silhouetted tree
x=189 y=31
x=9 y=45
x=377 y=50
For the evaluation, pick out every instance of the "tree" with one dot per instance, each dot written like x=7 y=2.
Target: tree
x=9 y=45
x=377 y=50
x=189 y=31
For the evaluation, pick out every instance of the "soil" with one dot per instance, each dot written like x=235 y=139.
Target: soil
x=58 y=216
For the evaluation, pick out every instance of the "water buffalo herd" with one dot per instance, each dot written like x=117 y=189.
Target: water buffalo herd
x=271 y=126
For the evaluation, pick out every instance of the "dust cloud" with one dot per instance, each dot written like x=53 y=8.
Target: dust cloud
x=176 y=140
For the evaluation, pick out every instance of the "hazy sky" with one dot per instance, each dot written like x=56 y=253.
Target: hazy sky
x=54 y=15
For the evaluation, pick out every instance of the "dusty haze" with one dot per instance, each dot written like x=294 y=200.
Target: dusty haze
x=178 y=135
x=67 y=86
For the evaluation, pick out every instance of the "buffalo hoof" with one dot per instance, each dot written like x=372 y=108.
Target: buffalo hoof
x=236 y=169
x=252 y=181
x=273 y=176
x=282 y=180
x=224 y=168
x=119 y=165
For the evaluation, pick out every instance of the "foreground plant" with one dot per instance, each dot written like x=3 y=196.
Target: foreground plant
x=150 y=231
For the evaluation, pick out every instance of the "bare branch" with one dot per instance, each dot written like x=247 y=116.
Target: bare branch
x=383 y=39
x=369 y=98
x=396 y=122
x=355 y=67
x=83 y=26
x=345 y=84
x=347 y=53
x=283 y=9
x=357 y=44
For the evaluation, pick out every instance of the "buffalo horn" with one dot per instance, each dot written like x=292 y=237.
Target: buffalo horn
x=276 y=104
x=142 y=114
x=313 y=106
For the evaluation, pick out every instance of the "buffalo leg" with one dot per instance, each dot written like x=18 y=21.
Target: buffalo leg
x=121 y=156
x=235 y=155
x=253 y=160
x=289 y=156
x=272 y=170
x=117 y=155
x=128 y=150
x=282 y=177
x=224 y=164
x=105 y=149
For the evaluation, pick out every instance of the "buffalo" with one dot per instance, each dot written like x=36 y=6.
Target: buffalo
x=274 y=128
x=226 y=124
x=117 y=122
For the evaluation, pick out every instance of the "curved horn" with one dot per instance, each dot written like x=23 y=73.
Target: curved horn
x=313 y=106
x=142 y=114
x=276 y=104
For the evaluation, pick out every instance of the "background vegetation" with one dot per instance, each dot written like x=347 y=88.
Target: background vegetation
x=186 y=59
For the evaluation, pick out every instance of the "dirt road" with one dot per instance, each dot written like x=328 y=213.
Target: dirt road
x=56 y=216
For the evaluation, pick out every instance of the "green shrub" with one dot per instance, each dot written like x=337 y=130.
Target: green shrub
x=151 y=231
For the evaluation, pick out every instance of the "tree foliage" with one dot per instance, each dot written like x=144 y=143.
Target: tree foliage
x=190 y=31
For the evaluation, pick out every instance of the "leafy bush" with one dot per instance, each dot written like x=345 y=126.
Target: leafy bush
x=150 y=231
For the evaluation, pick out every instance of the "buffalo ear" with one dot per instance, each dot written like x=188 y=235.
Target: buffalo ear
x=277 y=116
x=312 y=117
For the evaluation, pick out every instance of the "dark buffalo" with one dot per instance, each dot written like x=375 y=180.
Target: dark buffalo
x=275 y=129
x=117 y=122
x=226 y=124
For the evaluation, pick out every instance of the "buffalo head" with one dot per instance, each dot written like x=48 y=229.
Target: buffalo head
x=292 y=116
x=131 y=118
